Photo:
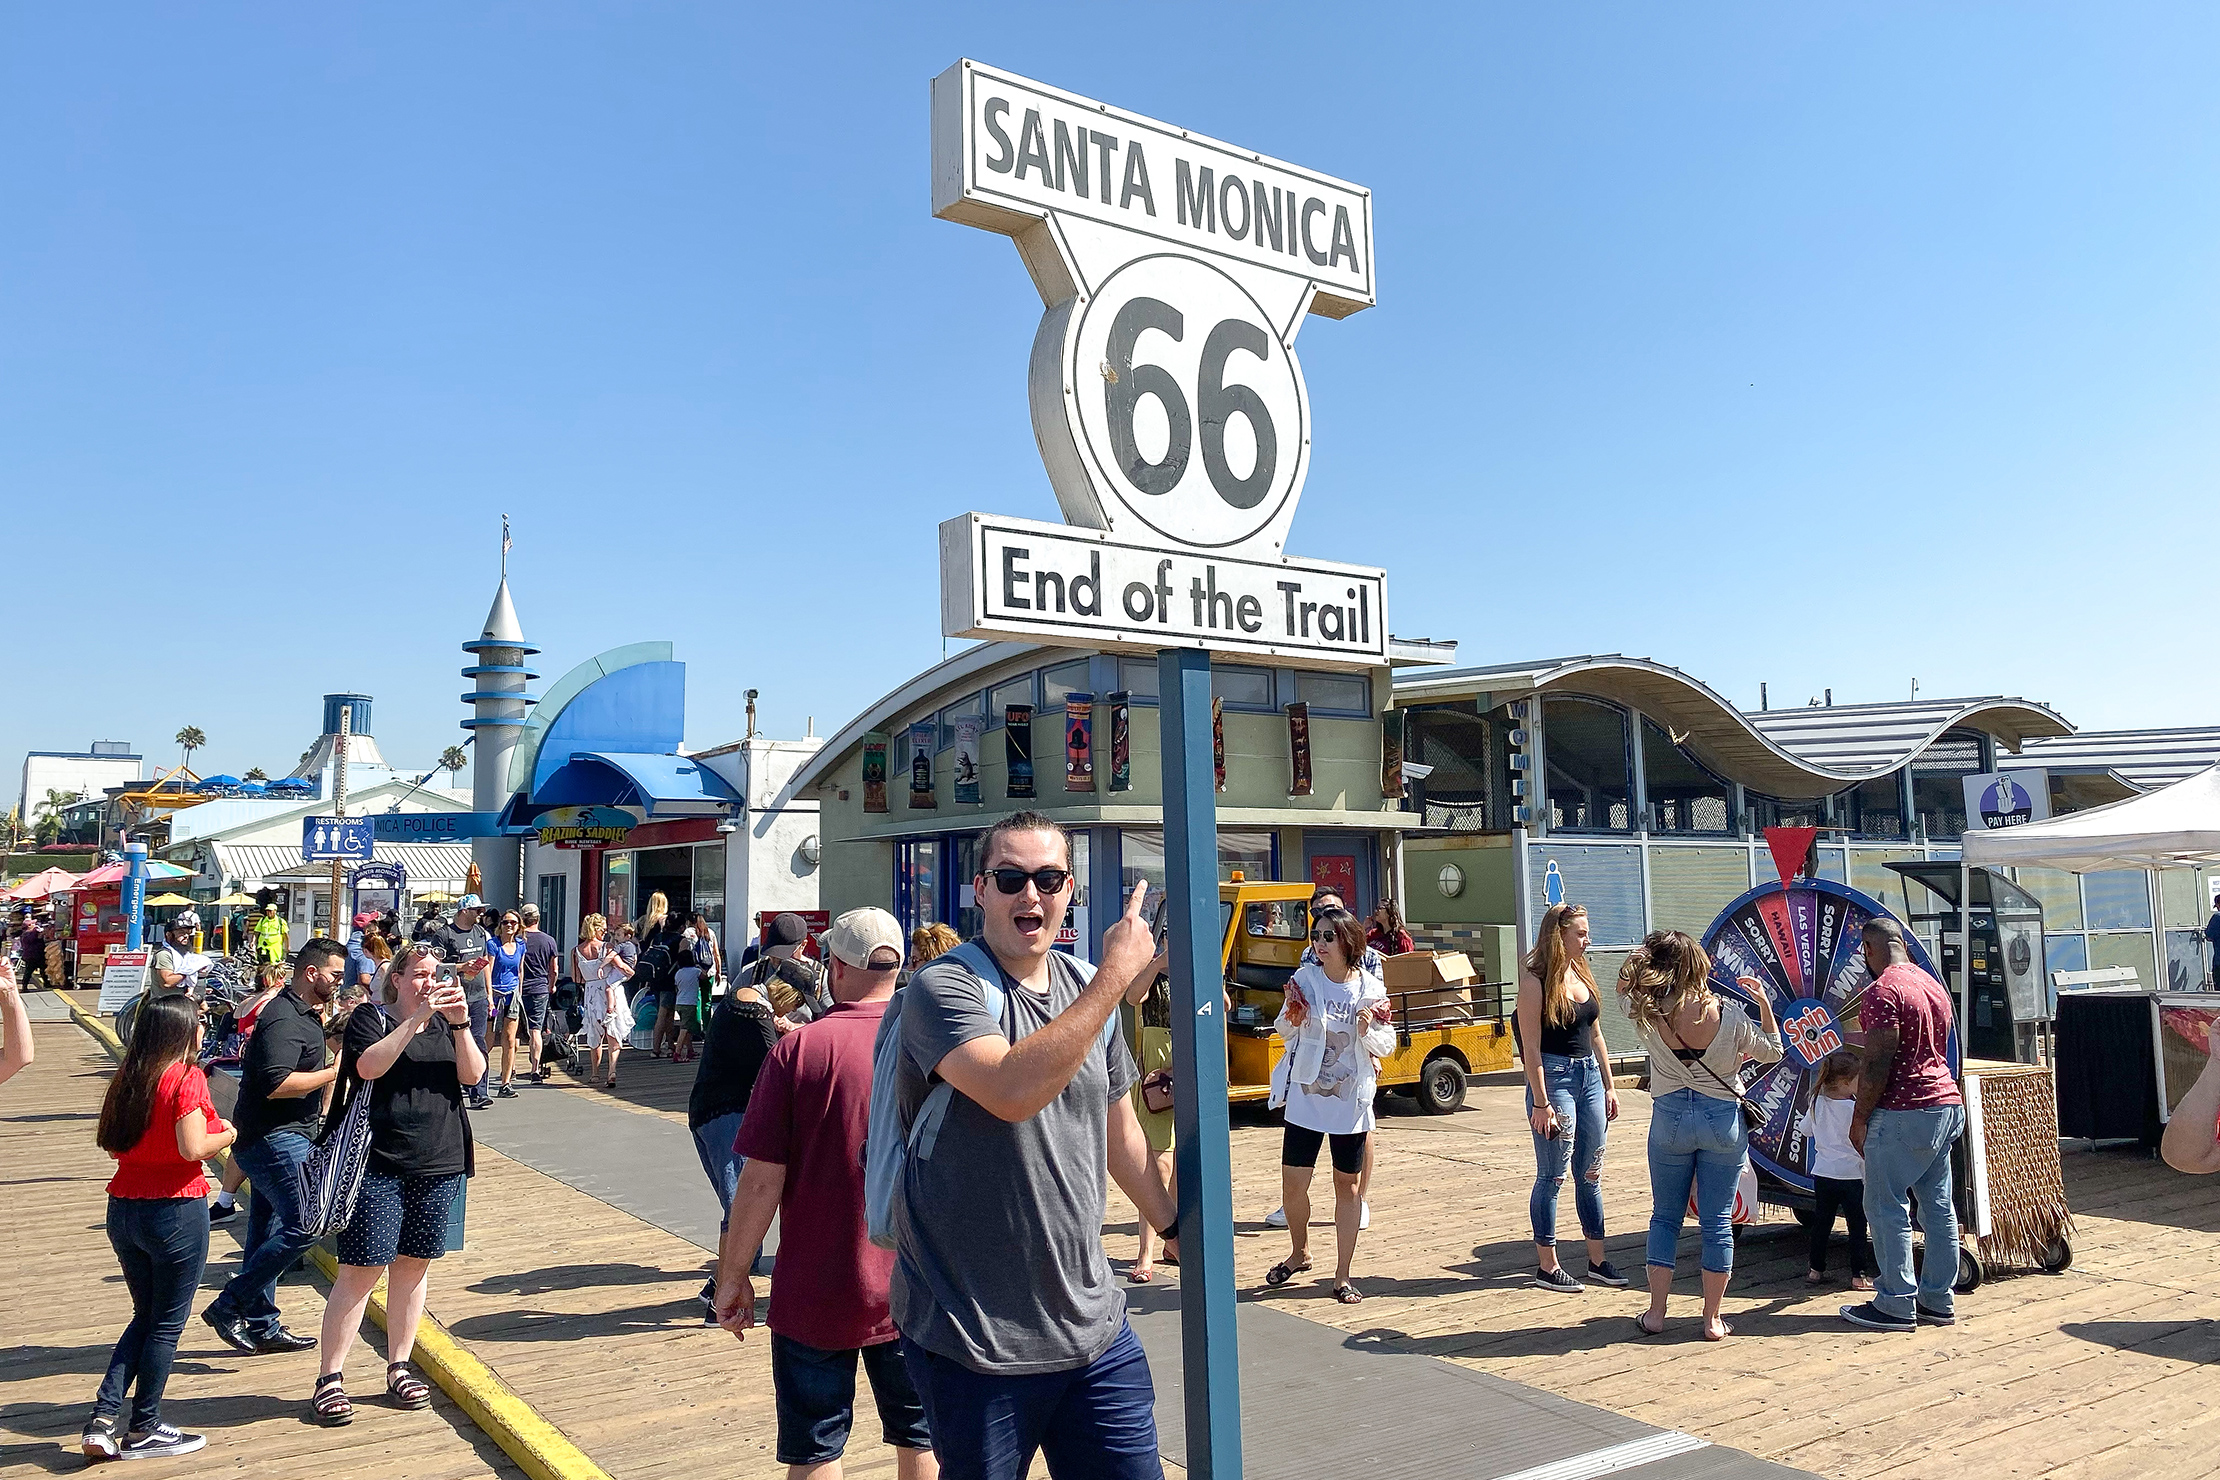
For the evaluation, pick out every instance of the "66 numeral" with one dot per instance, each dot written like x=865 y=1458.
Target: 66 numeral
x=1214 y=399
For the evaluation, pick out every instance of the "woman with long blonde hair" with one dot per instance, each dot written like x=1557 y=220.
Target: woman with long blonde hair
x=1697 y=1136
x=1570 y=1098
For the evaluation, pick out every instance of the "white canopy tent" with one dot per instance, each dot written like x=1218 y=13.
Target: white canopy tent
x=2173 y=827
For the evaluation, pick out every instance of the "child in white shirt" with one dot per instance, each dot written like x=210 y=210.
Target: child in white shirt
x=1837 y=1170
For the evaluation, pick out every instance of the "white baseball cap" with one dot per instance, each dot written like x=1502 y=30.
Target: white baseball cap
x=861 y=934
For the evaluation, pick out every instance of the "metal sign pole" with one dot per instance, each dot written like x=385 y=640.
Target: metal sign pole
x=339 y=809
x=1209 y=1343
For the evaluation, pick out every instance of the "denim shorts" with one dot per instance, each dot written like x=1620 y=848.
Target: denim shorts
x=535 y=1010
x=816 y=1396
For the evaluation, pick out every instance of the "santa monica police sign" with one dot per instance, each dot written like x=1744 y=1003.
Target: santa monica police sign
x=1167 y=400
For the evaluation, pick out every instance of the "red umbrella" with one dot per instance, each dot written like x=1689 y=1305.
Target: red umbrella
x=39 y=885
x=114 y=873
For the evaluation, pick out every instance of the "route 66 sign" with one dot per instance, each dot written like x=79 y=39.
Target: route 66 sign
x=1167 y=399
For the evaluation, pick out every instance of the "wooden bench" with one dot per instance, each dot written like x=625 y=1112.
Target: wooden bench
x=2104 y=979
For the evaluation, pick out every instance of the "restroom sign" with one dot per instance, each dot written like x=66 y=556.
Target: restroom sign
x=1167 y=399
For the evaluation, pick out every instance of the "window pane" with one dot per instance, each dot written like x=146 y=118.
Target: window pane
x=970 y=704
x=1242 y=688
x=1684 y=797
x=1876 y=807
x=709 y=883
x=2059 y=893
x=2120 y=900
x=2065 y=953
x=1765 y=811
x=1137 y=676
x=1141 y=856
x=1938 y=790
x=1347 y=693
x=1585 y=745
x=1461 y=792
x=1016 y=691
x=1063 y=679
x=2188 y=960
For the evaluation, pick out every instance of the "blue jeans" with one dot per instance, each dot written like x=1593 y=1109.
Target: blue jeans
x=275 y=1237
x=1697 y=1142
x=162 y=1243
x=1907 y=1156
x=713 y=1143
x=1575 y=1090
x=1096 y=1422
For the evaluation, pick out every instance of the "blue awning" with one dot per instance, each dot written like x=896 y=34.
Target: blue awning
x=663 y=785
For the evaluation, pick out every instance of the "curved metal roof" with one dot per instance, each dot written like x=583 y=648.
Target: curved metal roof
x=1782 y=752
x=2144 y=758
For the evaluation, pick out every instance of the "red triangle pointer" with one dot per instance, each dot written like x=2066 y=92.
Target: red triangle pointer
x=1791 y=847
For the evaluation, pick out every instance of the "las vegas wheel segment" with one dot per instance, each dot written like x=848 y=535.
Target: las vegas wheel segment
x=1799 y=946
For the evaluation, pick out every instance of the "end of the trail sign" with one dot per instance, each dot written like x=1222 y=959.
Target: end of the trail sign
x=1017 y=578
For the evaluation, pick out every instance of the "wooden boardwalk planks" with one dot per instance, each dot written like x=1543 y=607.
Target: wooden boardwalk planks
x=62 y=1304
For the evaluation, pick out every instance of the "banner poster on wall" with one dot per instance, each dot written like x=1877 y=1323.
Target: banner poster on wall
x=1079 y=742
x=967 y=760
x=1391 y=754
x=874 y=772
x=1298 y=750
x=1121 y=741
x=1218 y=738
x=921 y=764
x=1017 y=743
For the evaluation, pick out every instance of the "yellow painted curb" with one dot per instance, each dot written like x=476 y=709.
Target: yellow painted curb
x=542 y=1450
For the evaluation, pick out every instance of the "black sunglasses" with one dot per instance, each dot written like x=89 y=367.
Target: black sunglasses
x=1324 y=935
x=1046 y=880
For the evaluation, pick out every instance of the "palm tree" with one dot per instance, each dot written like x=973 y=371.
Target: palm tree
x=257 y=774
x=453 y=758
x=47 y=813
x=189 y=740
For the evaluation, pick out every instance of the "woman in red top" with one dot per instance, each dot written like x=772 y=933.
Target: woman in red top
x=159 y=1124
x=1387 y=935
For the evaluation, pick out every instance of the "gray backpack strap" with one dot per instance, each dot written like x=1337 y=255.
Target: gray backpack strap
x=925 y=1129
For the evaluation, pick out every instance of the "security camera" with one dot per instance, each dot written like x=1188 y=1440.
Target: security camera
x=729 y=826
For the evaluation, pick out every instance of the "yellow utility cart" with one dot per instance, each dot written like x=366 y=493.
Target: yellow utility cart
x=1442 y=1034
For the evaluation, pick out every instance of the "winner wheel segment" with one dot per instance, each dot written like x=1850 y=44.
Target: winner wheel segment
x=1799 y=947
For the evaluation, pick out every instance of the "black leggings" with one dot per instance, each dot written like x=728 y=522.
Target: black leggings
x=1831 y=1194
x=1299 y=1148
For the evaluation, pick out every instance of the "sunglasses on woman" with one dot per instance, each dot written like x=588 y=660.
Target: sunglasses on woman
x=1323 y=935
x=1046 y=880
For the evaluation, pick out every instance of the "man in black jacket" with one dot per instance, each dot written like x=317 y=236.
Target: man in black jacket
x=282 y=1076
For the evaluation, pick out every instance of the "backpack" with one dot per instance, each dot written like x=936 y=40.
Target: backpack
x=888 y=1145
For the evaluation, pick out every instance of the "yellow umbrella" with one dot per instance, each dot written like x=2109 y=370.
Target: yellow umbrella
x=234 y=897
x=168 y=899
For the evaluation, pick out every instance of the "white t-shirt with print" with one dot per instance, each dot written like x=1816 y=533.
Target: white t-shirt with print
x=1338 y=1101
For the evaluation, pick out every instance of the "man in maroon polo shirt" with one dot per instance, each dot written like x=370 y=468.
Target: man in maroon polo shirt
x=803 y=1140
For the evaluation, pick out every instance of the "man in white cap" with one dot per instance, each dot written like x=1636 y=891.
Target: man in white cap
x=803 y=1140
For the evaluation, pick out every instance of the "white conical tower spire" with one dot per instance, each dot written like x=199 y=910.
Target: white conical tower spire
x=498 y=704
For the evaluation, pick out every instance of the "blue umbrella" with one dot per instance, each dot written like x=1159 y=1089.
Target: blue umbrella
x=292 y=783
x=252 y=789
x=216 y=783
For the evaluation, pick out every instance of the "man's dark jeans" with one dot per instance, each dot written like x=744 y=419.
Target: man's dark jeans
x=162 y=1243
x=274 y=1234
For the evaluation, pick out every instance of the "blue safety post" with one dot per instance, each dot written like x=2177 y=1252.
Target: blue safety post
x=1209 y=1344
x=134 y=895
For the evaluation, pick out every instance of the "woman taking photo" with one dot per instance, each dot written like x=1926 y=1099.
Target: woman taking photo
x=506 y=952
x=159 y=1124
x=1697 y=1044
x=413 y=1060
x=1335 y=1028
x=1387 y=935
x=596 y=964
x=1569 y=1094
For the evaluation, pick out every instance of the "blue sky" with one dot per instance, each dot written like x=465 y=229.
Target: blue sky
x=1820 y=345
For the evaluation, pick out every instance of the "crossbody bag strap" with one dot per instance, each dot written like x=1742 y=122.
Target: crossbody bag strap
x=1734 y=1090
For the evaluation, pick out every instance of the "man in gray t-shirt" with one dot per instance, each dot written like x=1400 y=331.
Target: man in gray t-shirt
x=999 y=1281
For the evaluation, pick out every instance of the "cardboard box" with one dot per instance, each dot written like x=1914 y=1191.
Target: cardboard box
x=1438 y=1008
x=1420 y=969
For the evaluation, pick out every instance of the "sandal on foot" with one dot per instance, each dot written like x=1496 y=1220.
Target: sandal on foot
x=405 y=1388
x=1347 y=1294
x=1642 y=1323
x=1280 y=1273
x=329 y=1402
x=1140 y=1276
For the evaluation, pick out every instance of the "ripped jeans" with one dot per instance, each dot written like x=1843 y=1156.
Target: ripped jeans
x=1575 y=1089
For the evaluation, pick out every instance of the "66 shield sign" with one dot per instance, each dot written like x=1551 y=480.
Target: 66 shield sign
x=1170 y=393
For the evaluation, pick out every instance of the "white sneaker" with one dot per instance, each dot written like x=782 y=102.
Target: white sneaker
x=1277 y=1218
x=1364 y=1215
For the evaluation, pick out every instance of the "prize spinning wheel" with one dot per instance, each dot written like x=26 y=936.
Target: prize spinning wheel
x=1799 y=946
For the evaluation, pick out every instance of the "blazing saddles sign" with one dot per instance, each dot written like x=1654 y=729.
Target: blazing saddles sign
x=1167 y=400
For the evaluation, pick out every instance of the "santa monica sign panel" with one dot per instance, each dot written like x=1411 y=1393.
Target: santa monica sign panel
x=1167 y=398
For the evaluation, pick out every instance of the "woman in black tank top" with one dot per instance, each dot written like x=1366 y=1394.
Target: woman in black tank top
x=1569 y=1094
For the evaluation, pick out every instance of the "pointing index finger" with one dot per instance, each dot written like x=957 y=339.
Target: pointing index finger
x=1133 y=901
